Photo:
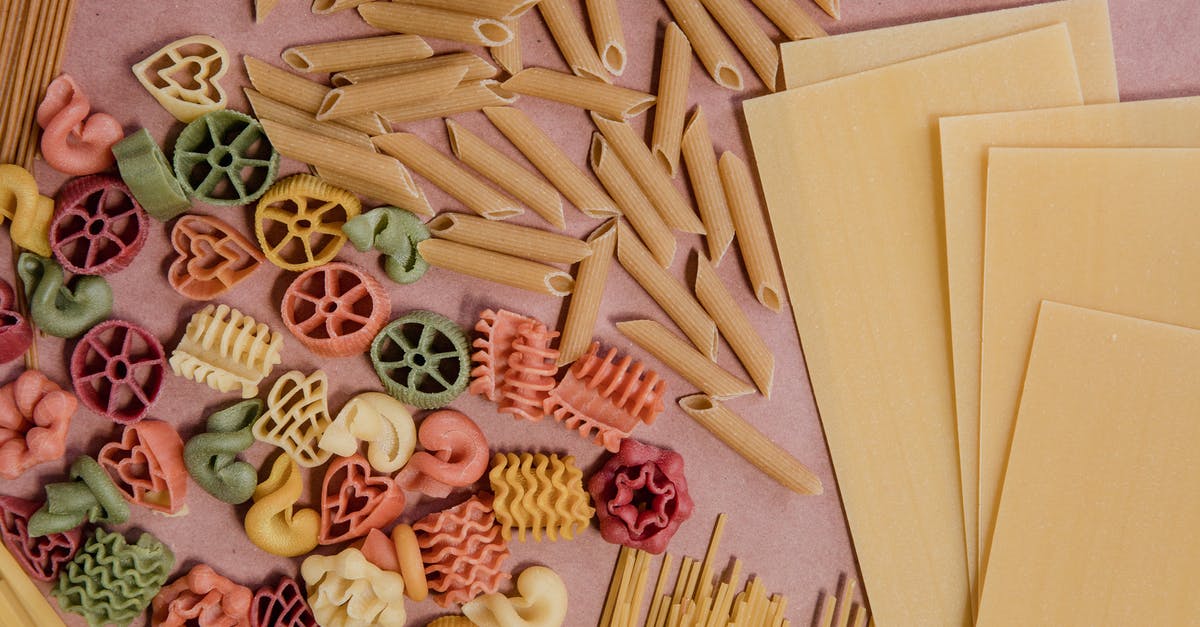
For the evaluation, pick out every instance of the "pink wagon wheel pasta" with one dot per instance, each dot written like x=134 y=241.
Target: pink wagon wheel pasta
x=117 y=370
x=299 y=221
x=335 y=310
x=98 y=227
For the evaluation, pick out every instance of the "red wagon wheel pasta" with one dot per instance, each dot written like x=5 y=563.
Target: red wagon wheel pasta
x=335 y=310
x=98 y=227
x=117 y=370
x=299 y=221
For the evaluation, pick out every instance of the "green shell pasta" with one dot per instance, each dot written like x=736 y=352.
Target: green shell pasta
x=395 y=233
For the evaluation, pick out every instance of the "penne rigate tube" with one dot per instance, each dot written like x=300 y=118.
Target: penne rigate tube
x=753 y=234
x=325 y=7
x=269 y=109
x=379 y=190
x=495 y=9
x=674 y=298
x=747 y=344
x=552 y=162
x=330 y=154
x=590 y=279
x=636 y=208
x=496 y=267
x=653 y=180
x=303 y=94
x=566 y=27
x=671 y=108
x=709 y=43
x=609 y=36
x=352 y=54
x=477 y=69
x=508 y=175
x=759 y=50
x=437 y=23
x=611 y=101
x=790 y=18
x=705 y=177
x=447 y=175
x=510 y=239
x=394 y=91
x=684 y=359
x=508 y=56
x=465 y=97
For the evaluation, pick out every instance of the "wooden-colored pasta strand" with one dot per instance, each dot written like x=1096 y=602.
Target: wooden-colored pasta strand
x=753 y=234
x=512 y=177
x=381 y=191
x=400 y=90
x=675 y=300
x=636 y=208
x=751 y=444
x=790 y=18
x=641 y=573
x=844 y=602
x=584 y=307
x=477 y=69
x=566 y=27
x=610 y=101
x=552 y=162
x=609 y=36
x=437 y=23
x=329 y=154
x=614 y=586
x=353 y=54
x=672 y=606
x=653 y=180
x=29 y=83
x=713 y=51
x=15 y=113
x=671 y=108
x=301 y=93
x=466 y=97
x=733 y=324
x=495 y=9
x=508 y=56
x=860 y=616
x=758 y=49
x=825 y=618
x=684 y=359
x=270 y=109
x=51 y=44
x=325 y=7
x=705 y=179
x=497 y=267
x=510 y=239
x=442 y=171
x=657 y=595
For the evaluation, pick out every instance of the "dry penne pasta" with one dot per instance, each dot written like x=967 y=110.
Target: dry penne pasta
x=705 y=178
x=437 y=23
x=496 y=267
x=684 y=359
x=790 y=18
x=552 y=162
x=394 y=91
x=758 y=49
x=590 y=279
x=270 y=109
x=510 y=239
x=674 y=298
x=447 y=175
x=382 y=191
x=325 y=7
x=708 y=42
x=466 y=97
x=352 y=54
x=566 y=27
x=733 y=324
x=832 y=7
x=618 y=103
x=477 y=69
x=609 y=36
x=653 y=180
x=508 y=56
x=753 y=234
x=495 y=9
x=336 y=156
x=507 y=174
x=263 y=8
x=634 y=205
x=303 y=94
x=673 y=75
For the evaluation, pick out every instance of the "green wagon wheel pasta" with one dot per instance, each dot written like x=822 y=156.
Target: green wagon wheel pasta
x=422 y=358
x=225 y=158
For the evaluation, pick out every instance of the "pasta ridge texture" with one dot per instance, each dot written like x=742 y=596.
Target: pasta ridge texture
x=537 y=492
x=226 y=349
x=296 y=417
x=532 y=367
x=463 y=551
x=111 y=581
x=348 y=590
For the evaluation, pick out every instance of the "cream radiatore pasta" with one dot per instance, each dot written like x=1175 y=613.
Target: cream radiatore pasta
x=673 y=74
x=496 y=267
x=750 y=39
x=477 y=69
x=790 y=18
x=753 y=234
x=495 y=9
x=735 y=327
x=400 y=90
x=270 y=109
x=330 y=154
x=507 y=174
x=634 y=205
x=301 y=93
x=510 y=239
x=566 y=27
x=352 y=54
x=684 y=359
x=618 y=103
x=584 y=307
x=466 y=97
x=437 y=23
x=708 y=42
x=610 y=37
x=508 y=56
x=705 y=178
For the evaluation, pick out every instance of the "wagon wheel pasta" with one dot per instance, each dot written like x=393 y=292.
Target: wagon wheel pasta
x=335 y=309
x=298 y=223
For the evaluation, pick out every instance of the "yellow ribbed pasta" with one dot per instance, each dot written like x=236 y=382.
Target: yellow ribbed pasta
x=330 y=154
x=477 y=69
x=448 y=175
x=466 y=97
x=790 y=18
x=496 y=267
x=673 y=75
x=508 y=56
x=705 y=178
x=714 y=52
x=520 y=183
x=754 y=44
x=393 y=91
x=609 y=36
x=352 y=54
x=270 y=109
x=436 y=23
x=539 y=494
x=495 y=9
x=510 y=239
x=733 y=324
x=584 y=308
x=634 y=205
x=566 y=27
x=303 y=94
x=753 y=234
x=684 y=359
x=611 y=101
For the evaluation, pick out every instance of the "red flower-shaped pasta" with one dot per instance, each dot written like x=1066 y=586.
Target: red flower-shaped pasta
x=463 y=551
x=98 y=227
x=281 y=606
x=42 y=556
x=456 y=455
x=117 y=370
x=335 y=310
x=202 y=598
x=15 y=333
x=641 y=496
x=210 y=257
x=147 y=466
x=353 y=502
x=35 y=415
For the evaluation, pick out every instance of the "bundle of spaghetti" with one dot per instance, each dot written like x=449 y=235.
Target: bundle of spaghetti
x=463 y=551
x=539 y=493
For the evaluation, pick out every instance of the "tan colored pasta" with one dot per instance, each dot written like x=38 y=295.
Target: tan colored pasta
x=507 y=174
x=584 y=307
x=325 y=7
x=732 y=322
x=335 y=156
x=650 y=176
x=269 y=109
x=673 y=75
x=508 y=56
x=552 y=162
x=749 y=38
x=303 y=94
x=674 y=298
x=618 y=103
x=634 y=205
x=394 y=91
x=832 y=7
x=496 y=267
x=708 y=42
x=477 y=69
x=790 y=18
x=437 y=23
x=465 y=97
x=609 y=36
x=448 y=175
x=684 y=359
x=753 y=234
x=379 y=190
x=510 y=239
x=495 y=9
x=566 y=27
x=705 y=178
x=352 y=54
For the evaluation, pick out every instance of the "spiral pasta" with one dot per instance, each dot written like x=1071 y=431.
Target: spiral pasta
x=536 y=492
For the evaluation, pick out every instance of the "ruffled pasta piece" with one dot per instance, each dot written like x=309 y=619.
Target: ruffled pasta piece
x=281 y=606
x=183 y=76
x=463 y=551
x=74 y=140
x=641 y=496
x=224 y=158
x=226 y=350
x=111 y=581
x=35 y=415
x=348 y=590
x=607 y=399
x=353 y=501
x=541 y=602
x=394 y=233
x=42 y=556
x=211 y=457
x=515 y=365
x=202 y=598
x=89 y=496
x=422 y=359
x=381 y=421
x=297 y=414
x=15 y=333
x=117 y=369
x=299 y=221
x=29 y=211
x=539 y=493
x=455 y=455
x=56 y=308
x=210 y=257
x=146 y=464
x=451 y=621
x=150 y=178
x=272 y=522
x=335 y=310
x=99 y=227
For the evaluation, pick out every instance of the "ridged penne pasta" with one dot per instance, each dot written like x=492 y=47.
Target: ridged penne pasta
x=609 y=36
x=495 y=9
x=325 y=7
x=448 y=175
x=394 y=91
x=684 y=359
x=753 y=234
x=705 y=178
x=634 y=205
x=270 y=109
x=566 y=27
x=352 y=54
x=510 y=239
x=508 y=175
x=671 y=107
x=437 y=23
x=477 y=69
x=303 y=94
x=733 y=324
x=496 y=267
x=674 y=298
x=651 y=177
x=584 y=308
x=508 y=56
x=790 y=18
x=758 y=49
x=379 y=190
x=832 y=7
x=552 y=162
x=466 y=97
x=335 y=156
x=708 y=42
x=618 y=103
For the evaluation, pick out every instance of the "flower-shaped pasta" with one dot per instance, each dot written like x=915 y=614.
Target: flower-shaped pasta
x=272 y=523
x=539 y=493
x=348 y=590
x=74 y=141
x=455 y=455
x=542 y=602
x=112 y=581
x=463 y=551
x=146 y=464
x=299 y=221
x=15 y=333
x=335 y=310
x=226 y=350
x=353 y=501
x=383 y=422
x=42 y=556
x=211 y=457
x=98 y=227
x=297 y=414
x=182 y=76
x=395 y=233
x=641 y=495
x=35 y=415
x=225 y=158
x=210 y=257
x=202 y=598
x=117 y=370
x=421 y=359
x=281 y=606
x=90 y=495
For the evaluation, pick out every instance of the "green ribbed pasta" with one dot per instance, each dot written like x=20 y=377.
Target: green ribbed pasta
x=539 y=493
x=111 y=581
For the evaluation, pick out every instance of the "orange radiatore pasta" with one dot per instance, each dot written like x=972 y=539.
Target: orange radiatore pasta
x=463 y=551
x=539 y=494
x=516 y=366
